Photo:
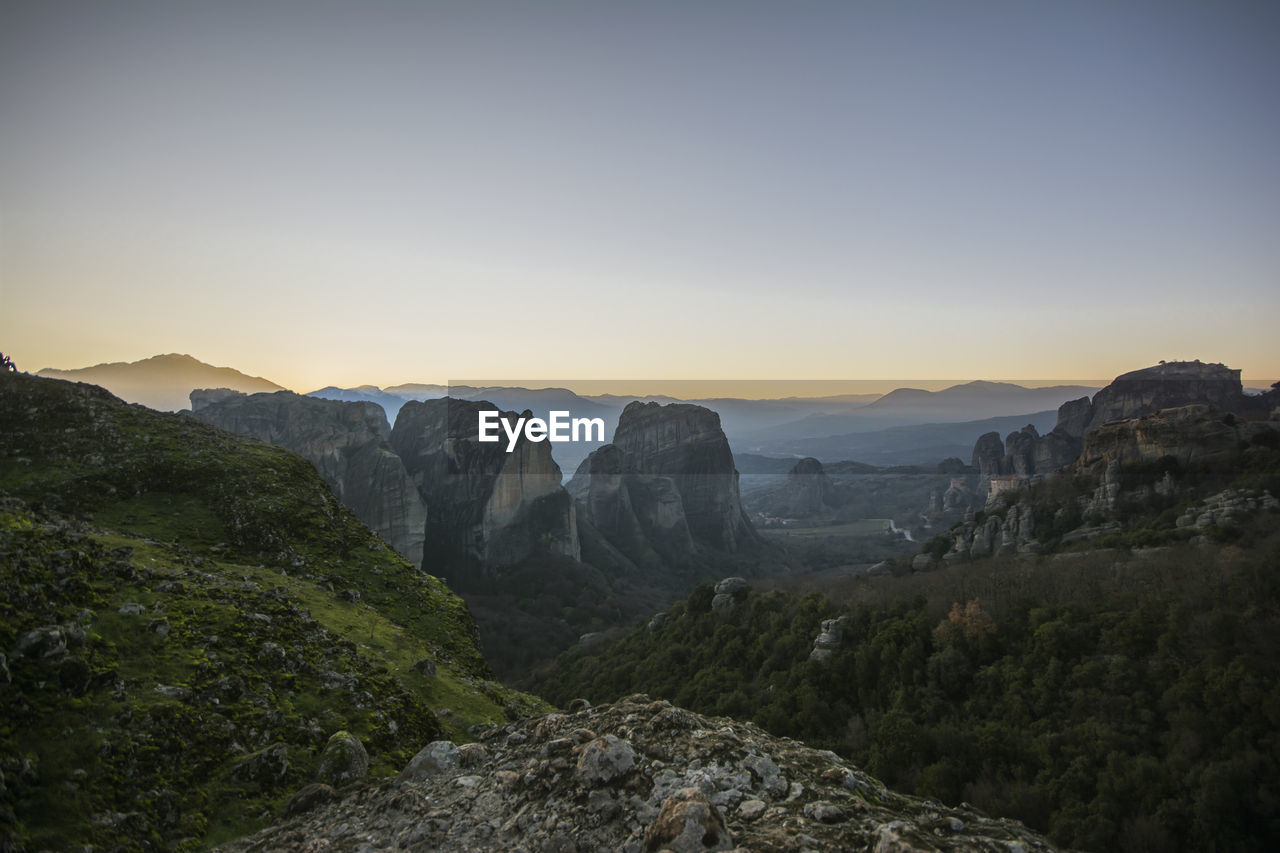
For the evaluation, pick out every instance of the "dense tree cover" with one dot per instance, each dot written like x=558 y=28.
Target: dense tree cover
x=1143 y=716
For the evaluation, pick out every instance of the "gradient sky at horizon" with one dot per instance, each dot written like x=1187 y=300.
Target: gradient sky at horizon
x=377 y=192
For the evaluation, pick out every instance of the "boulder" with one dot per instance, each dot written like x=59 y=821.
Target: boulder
x=605 y=759
x=343 y=761
x=688 y=823
x=435 y=759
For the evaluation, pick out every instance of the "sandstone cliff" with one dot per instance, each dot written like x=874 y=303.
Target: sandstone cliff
x=488 y=508
x=638 y=775
x=348 y=443
x=665 y=486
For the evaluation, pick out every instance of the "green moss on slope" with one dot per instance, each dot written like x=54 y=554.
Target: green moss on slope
x=188 y=617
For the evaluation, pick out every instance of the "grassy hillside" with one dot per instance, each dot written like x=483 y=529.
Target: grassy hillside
x=188 y=617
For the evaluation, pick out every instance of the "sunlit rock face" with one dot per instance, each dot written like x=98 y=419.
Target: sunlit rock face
x=349 y=445
x=488 y=507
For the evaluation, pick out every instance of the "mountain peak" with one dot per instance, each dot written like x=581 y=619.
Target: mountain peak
x=162 y=382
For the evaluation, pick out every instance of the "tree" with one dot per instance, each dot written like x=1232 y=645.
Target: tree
x=7 y=365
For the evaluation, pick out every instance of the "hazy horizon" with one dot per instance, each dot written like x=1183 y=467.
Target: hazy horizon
x=687 y=388
x=323 y=193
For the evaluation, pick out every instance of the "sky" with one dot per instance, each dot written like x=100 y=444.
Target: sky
x=383 y=192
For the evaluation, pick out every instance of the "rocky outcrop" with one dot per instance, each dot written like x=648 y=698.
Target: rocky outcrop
x=685 y=442
x=728 y=593
x=829 y=639
x=640 y=515
x=1226 y=508
x=1131 y=395
x=664 y=487
x=1126 y=467
x=637 y=776
x=1073 y=418
x=988 y=455
x=1020 y=452
x=489 y=508
x=1164 y=386
x=1192 y=435
x=349 y=445
x=807 y=492
x=1002 y=531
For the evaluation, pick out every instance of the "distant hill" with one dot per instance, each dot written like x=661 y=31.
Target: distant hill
x=162 y=382
x=969 y=401
x=915 y=444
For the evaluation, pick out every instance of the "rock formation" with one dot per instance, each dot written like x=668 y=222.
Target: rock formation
x=685 y=442
x=1131 y=395
x=728 y=593
x=640 y=515
x=988 y=454
x=665 y=486
x=635 y=776
x=1198 y=434
x=1127 y=465
x=1165 y=386
x=829 y=639
x=488 y=508
x=348 y=443
x=807 y=492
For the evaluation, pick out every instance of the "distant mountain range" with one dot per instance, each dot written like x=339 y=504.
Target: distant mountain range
x=905 y=426
x=162 y=382
x=970 y=401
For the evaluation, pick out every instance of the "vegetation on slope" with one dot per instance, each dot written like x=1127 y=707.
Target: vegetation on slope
x=188 y=617
x=1113 y=700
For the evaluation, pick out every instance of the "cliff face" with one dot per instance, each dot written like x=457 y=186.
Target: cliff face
x=1198 y=434
x=685 y=442
x=488 y=508
x=640 y=515
x=1164 y=386
x=1126 y=474
x=1131 y=395
x=665 y=486
x=349 y=445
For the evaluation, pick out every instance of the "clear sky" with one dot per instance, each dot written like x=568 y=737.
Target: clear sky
x=322 y=192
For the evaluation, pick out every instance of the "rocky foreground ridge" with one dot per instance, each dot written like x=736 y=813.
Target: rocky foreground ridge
x=637 y=775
